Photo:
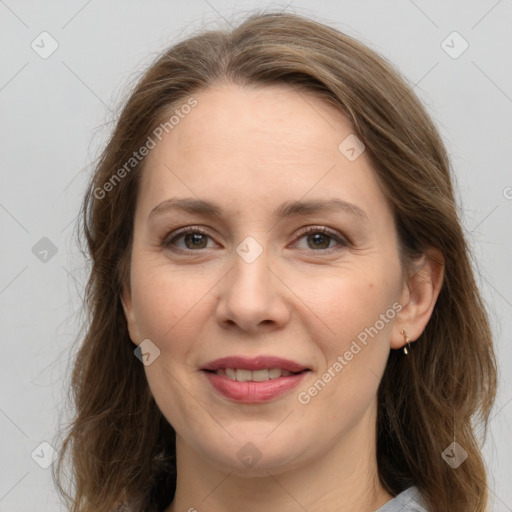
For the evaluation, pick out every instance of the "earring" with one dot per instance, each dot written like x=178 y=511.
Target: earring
x=406 y=340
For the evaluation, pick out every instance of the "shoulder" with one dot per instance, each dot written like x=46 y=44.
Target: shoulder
x=409 y=500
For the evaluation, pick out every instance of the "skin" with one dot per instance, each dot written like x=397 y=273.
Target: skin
x=304 y=298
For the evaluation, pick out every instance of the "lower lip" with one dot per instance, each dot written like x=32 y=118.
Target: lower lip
x=253 y=392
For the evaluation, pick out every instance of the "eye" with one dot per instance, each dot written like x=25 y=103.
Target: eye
x=320 y=238
x=193 y=238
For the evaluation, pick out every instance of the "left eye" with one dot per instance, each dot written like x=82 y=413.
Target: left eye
x=320 y=238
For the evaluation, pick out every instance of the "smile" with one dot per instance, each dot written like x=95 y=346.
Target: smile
x=242 y=375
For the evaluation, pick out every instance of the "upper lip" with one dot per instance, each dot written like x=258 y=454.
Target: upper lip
x=255 y=363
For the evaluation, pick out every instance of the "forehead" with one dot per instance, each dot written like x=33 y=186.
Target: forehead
x=277 y=120
x=249 y=145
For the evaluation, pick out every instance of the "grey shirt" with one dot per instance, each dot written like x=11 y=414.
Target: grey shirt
x=407 y=501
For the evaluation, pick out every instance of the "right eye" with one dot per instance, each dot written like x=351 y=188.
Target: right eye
x=193 y=237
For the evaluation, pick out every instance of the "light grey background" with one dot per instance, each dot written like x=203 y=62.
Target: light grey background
x=55 y=115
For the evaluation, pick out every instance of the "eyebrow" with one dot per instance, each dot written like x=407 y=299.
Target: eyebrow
x=287 y=209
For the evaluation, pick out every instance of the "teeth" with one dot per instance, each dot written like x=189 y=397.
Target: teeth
x=259 y=375
x=243 y=375
x=274 y=373
x=255 y=376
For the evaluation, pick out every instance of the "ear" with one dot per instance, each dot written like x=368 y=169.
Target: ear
x=418 y=298
x=126 y=301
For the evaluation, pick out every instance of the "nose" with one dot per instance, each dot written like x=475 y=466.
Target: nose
x=253 y=296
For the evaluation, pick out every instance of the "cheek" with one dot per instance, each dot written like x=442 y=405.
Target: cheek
x=167 y=302
x=357 y=315
x=170 y=311
x=348 y=304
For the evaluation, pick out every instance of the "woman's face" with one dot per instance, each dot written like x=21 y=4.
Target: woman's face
x=253 y=286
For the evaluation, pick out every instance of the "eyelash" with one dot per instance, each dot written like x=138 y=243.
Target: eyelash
x=172 y=237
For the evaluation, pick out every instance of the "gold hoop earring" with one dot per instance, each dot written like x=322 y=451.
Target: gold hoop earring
x=406 y=340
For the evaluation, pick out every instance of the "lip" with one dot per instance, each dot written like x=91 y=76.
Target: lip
x=255 y=363
x=253 y=392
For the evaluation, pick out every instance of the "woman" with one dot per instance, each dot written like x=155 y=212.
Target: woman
x=271 y=223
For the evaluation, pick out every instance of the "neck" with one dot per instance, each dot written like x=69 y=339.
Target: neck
x=344 y=479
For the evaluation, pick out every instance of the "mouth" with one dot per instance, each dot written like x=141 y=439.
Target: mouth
x=243 y=375
x=268 y=363
x=254 y=380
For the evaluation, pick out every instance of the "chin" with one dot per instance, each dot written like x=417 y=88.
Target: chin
x=254 y=455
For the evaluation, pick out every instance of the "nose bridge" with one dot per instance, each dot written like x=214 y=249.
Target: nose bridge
x=250 y=276
x=251 y=294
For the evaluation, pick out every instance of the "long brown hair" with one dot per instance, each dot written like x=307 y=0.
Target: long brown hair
x=120 y=446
